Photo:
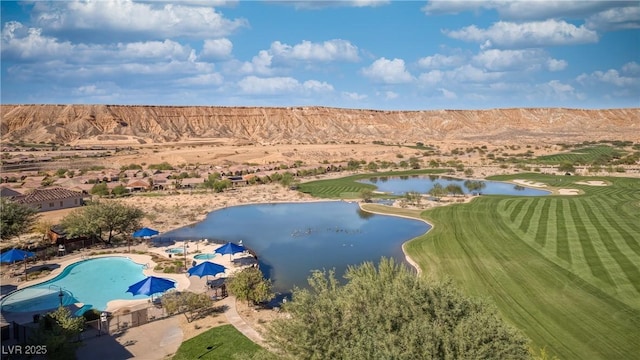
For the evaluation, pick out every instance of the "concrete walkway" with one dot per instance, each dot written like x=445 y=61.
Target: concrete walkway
x=239 y=323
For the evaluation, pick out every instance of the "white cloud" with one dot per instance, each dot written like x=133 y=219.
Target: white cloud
x=216 y=49
x=89 y=90
x=439 y=61
x=331 y=50
x=631 y=68
x=214 y=79
x=615 y=19
x=159 y=19
x=260 y=64
x=319 y=4
x=281 y=85
x=556 y=65
x=529 y=34
x=554 y=90
x=500 y=60
x=628 y=79
x=524 y=10
x=390 y=95
x=466 y=74
x=353 y=96
x=431 y=78
x=558 y=87
x=388 y=71
x=28 y=43
x=317 y=86
x=154 y=50
x=610 y=76
x=448 y=94
x=472 y=74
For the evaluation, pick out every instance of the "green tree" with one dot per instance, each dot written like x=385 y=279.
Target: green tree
x=437 y=191
x=119 y=190
x=474 y=186
x=390 y=313
x=103 y=221
x=100 y=189
x=250 y=285
x=413 y=197
x=58 y=331
x=366 y=195
x=566 y=167
x=454 y=189
x=192 y=305
x=16 y=219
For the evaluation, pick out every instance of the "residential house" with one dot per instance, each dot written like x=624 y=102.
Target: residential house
x=51 y=199
x=191 y=183
x=7 y=192
x=135 y=185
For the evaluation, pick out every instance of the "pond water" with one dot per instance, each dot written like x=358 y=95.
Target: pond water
x=400 y=185
x=292 y=239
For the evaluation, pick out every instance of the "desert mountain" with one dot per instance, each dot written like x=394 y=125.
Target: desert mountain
x=157 y=124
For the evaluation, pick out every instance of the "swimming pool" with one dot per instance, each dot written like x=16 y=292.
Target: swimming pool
x=93 y=282
x=175 y=251
x=204 y=256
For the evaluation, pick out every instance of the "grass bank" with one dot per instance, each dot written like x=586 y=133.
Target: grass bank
x=564 y=269
x=221 y=342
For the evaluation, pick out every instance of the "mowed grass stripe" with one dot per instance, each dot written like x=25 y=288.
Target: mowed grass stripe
x=590 y=253
x=542 y=218
x=524 y=220
x=475 y=245
x=630 y=236
x=551 y=228
x=517 y=209
x=563 y=250
x=606 y=234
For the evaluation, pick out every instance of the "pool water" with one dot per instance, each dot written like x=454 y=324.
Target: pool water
x=93 y=282
x=291 y=239
x=204 y=256
x=400 y=185
x=175 y=250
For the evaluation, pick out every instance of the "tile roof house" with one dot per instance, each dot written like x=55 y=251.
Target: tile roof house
x=8 y=192
x=51 y=199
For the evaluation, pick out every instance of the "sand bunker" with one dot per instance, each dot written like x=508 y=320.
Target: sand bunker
x=568 y=191
x=529 y=183
x=593 y=183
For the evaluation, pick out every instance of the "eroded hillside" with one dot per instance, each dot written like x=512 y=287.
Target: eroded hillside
x=157 y=124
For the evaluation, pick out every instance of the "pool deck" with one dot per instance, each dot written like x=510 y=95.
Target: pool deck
x=156 y=340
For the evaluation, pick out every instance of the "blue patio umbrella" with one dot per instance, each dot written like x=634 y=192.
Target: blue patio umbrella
x=230 y=248
x=14 y=255
x=206 y=268
x=145 y=232
x=151 y=285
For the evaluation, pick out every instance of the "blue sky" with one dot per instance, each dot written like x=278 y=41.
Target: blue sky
x=393 y=55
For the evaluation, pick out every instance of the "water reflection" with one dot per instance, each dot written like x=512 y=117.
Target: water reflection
x=293 y=239
x=400 y=185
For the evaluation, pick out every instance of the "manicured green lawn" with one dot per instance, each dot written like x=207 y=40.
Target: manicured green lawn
x=584 y=155
x=564 y=269
x=348 y=188
x=220 y=342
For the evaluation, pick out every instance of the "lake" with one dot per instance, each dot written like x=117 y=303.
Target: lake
x=400 y=185
x=292 y=239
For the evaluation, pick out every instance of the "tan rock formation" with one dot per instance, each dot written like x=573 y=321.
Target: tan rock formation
x=97 y=124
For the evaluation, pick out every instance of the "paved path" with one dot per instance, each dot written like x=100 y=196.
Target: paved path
x=239 y=323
